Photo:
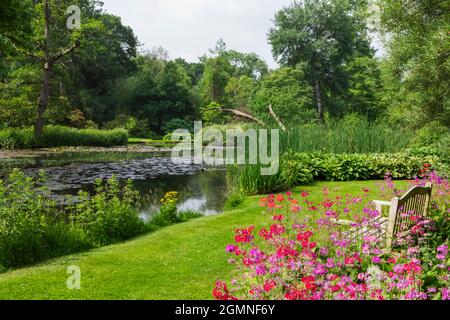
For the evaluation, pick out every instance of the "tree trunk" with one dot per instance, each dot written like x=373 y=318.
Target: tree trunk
x=319 y=102
x=48 y=62
x=45 y=90
x=43 y=100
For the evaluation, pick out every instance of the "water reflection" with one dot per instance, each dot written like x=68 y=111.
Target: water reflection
x=201 y=189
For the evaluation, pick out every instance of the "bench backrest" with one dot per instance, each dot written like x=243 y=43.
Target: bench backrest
x=416 y=202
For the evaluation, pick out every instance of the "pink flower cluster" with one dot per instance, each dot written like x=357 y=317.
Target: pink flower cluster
x=303 y=254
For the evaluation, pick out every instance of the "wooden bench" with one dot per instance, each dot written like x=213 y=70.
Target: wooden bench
x=415 y=202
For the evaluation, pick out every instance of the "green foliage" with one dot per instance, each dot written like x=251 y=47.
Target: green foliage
x=239 y=92
x=168 y=213
x=304 y=168
x=288 y=93
x=159 y=92
x=176 y=124
x=215 y=78
x=31 y=227
x=58 y=136
x=15 y=25
x=433 y=139
x=137 y=128
x=248 y=180
x=364 y=88
x=110 y=215
x=324 y=36
x=352 y=135
x=211 y=114
x=234 y=200
x=296 y=169
x=418 y=67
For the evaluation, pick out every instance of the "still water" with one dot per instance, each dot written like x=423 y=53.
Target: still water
x=202 y=189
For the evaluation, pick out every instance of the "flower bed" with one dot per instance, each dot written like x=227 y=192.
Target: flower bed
x=304 y=255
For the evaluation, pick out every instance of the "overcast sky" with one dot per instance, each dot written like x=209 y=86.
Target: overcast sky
x=188 y=28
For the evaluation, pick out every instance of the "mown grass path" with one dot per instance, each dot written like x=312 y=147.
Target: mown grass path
x=178 y=262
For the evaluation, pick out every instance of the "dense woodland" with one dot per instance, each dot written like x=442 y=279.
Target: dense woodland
x=99 y=76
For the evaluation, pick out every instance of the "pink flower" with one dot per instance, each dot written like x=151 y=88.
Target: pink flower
x=376 y=260
x=442 y=252
x=260 y=270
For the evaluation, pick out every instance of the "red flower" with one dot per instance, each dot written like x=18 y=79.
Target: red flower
x=278 y=218
x=263 y=233
x=221 y=292
x=335 y=288
x=328 y=204
x=280 y=198
x=269 y=285
x=304 y=236
x=309 y=283
x=305 y=194
x=244 y=235
x=276 y=229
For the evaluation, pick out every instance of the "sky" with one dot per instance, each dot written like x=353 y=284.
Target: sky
x=189 y=28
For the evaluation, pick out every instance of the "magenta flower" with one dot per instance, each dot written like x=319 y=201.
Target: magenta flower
x=260 y=270
x=376 y=260
x=442 y=252
x=230 y=248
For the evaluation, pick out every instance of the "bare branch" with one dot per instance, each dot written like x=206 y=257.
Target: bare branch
x=243 y=115
x=277 y=119
x=64 y=52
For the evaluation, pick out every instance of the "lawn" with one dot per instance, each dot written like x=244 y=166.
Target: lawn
x=178 y=262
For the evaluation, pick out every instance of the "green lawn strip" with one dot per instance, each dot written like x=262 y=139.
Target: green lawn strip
x=178 y=262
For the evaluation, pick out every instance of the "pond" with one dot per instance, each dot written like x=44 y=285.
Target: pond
x=202 y=189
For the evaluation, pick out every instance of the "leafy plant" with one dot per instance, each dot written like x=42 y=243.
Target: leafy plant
x=110 y=215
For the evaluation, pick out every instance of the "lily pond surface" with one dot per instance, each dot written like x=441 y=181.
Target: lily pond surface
x=201 y=188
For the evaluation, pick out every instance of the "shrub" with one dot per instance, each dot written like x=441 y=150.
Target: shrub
x=169 y=214
x=176 y=124
x=58 y=136
x=168 y=209
x=31 y=227
x=234 y=200
x=304 y=168
x=110 y=215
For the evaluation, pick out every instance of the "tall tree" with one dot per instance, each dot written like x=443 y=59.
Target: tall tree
x=417 y=70
x=214 y=80
x=54 y=41
x=289 y=95
x=324 y=35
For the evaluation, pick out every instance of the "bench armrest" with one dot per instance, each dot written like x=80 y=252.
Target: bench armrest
x=342 y=222
x=380 y=204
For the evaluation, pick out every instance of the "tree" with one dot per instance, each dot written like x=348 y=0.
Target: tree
x=214 y=80
x=158 y=95
x=105 y=58
x=324 y=35
x=417 y=70
x=239 y=92
x=15 y=24
x=364 y=87
x=54 y=42
x=289 y=95
x=246 y=64
x=67 y=69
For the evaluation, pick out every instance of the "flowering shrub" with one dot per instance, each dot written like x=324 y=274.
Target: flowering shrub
x=169 y=206
x=305 y=255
